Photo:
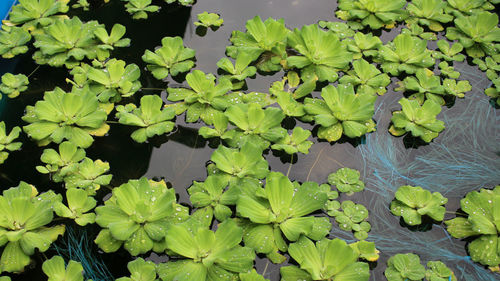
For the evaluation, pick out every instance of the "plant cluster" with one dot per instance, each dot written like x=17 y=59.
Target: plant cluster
x=259 y=211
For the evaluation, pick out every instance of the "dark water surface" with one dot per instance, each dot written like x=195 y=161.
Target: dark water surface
x=181 y=157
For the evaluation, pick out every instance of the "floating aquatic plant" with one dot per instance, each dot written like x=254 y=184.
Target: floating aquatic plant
x=342 y=112
x=35 y=14
x=448 y=71
x=206 y=254
x=456 y=88
x=327 y=260
x=346 y=180
x=246 y=161
x=323 y=54
x=419 y=120
x=74 y=116
x=56 y=270
x=281 y=209
x=172 y=57
x=110 y=40
x=447 y=52
x=373 y=13
x=363 y=45
x=23 y=229
x=341 y=29
x=212 y=194
x=404 y=267
x=140 y=270
x=12 y=41
x=240 y=70
x=139 y=9
x=481 y=224
x=115 y=80
x=261 y=126
x=405 y=54
x=207 y=19
x=430 y=13
x=352 y=217
x=137 y=216
x=203 y=99
x=12 y=85
x=150 y=116
x=413 y=202
x=296 y=142
x=437 y=270
x=7 y=143
x=79 y=204
x=366 y=78
x=268 y=38
x=426 y=84
x=477 y=33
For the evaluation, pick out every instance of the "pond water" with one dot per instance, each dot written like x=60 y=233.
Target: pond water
x=464 y=157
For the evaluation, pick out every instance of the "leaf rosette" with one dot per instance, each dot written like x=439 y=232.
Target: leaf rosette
x=323 y=54
x=35 y=14
x=206 y=255
x=482 y=225
x=23 y=226
x=325 y=260
x=413 y=202
x=56 y=270
x=419 y=120
x=74 y=116
x=137 y=216
x=150 y=116
x=373 y=13
x=12 y=85
x=404 y=267
x=279 y=210
x=340 y=111
x=12 y=42
x=7 y=143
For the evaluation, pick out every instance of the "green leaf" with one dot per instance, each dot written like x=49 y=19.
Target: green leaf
x=56 y=270
x=209 y=20
x=404 y=266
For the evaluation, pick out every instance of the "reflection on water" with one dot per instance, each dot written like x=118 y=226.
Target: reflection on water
x=181 y=157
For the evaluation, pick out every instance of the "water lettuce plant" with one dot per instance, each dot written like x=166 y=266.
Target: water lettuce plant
x=282 y=211
x=448 y=70
x=240 y=70
x=115 y=80
x=477 y=33
x=203 y=99
x=419 y=120
x=151 y=116
x=7 y=143
x=346 y=180
x=79 y=203
x=206 y=255
x=342 y=112
x=325 y=260
x=254 y=123
x=89 y=175
x=212 y=194
x=246 y=161
x=268 y=38
x=481 y=222
x=405 y=53
x=373 y=13
x=13 y=41
x=56 y=269
x=351 y=217
x=430 y=13
x=137 y=216
x=35 y=14
x=449 y=52
x=74 y=116
x=110 y=40
x=66 y=42
x=341 y=29
x=404 y=267
x=207 y=20
x=363 y=45
x=12 y=85
x=366 y=78
x=172 y=57
x=23 y=229
x=139 y=9
x=140 y=270
x=413 y=202
x=296 y=142
x=438 y=271
x=322 y=53
x=426 y=84
x=456 y=88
